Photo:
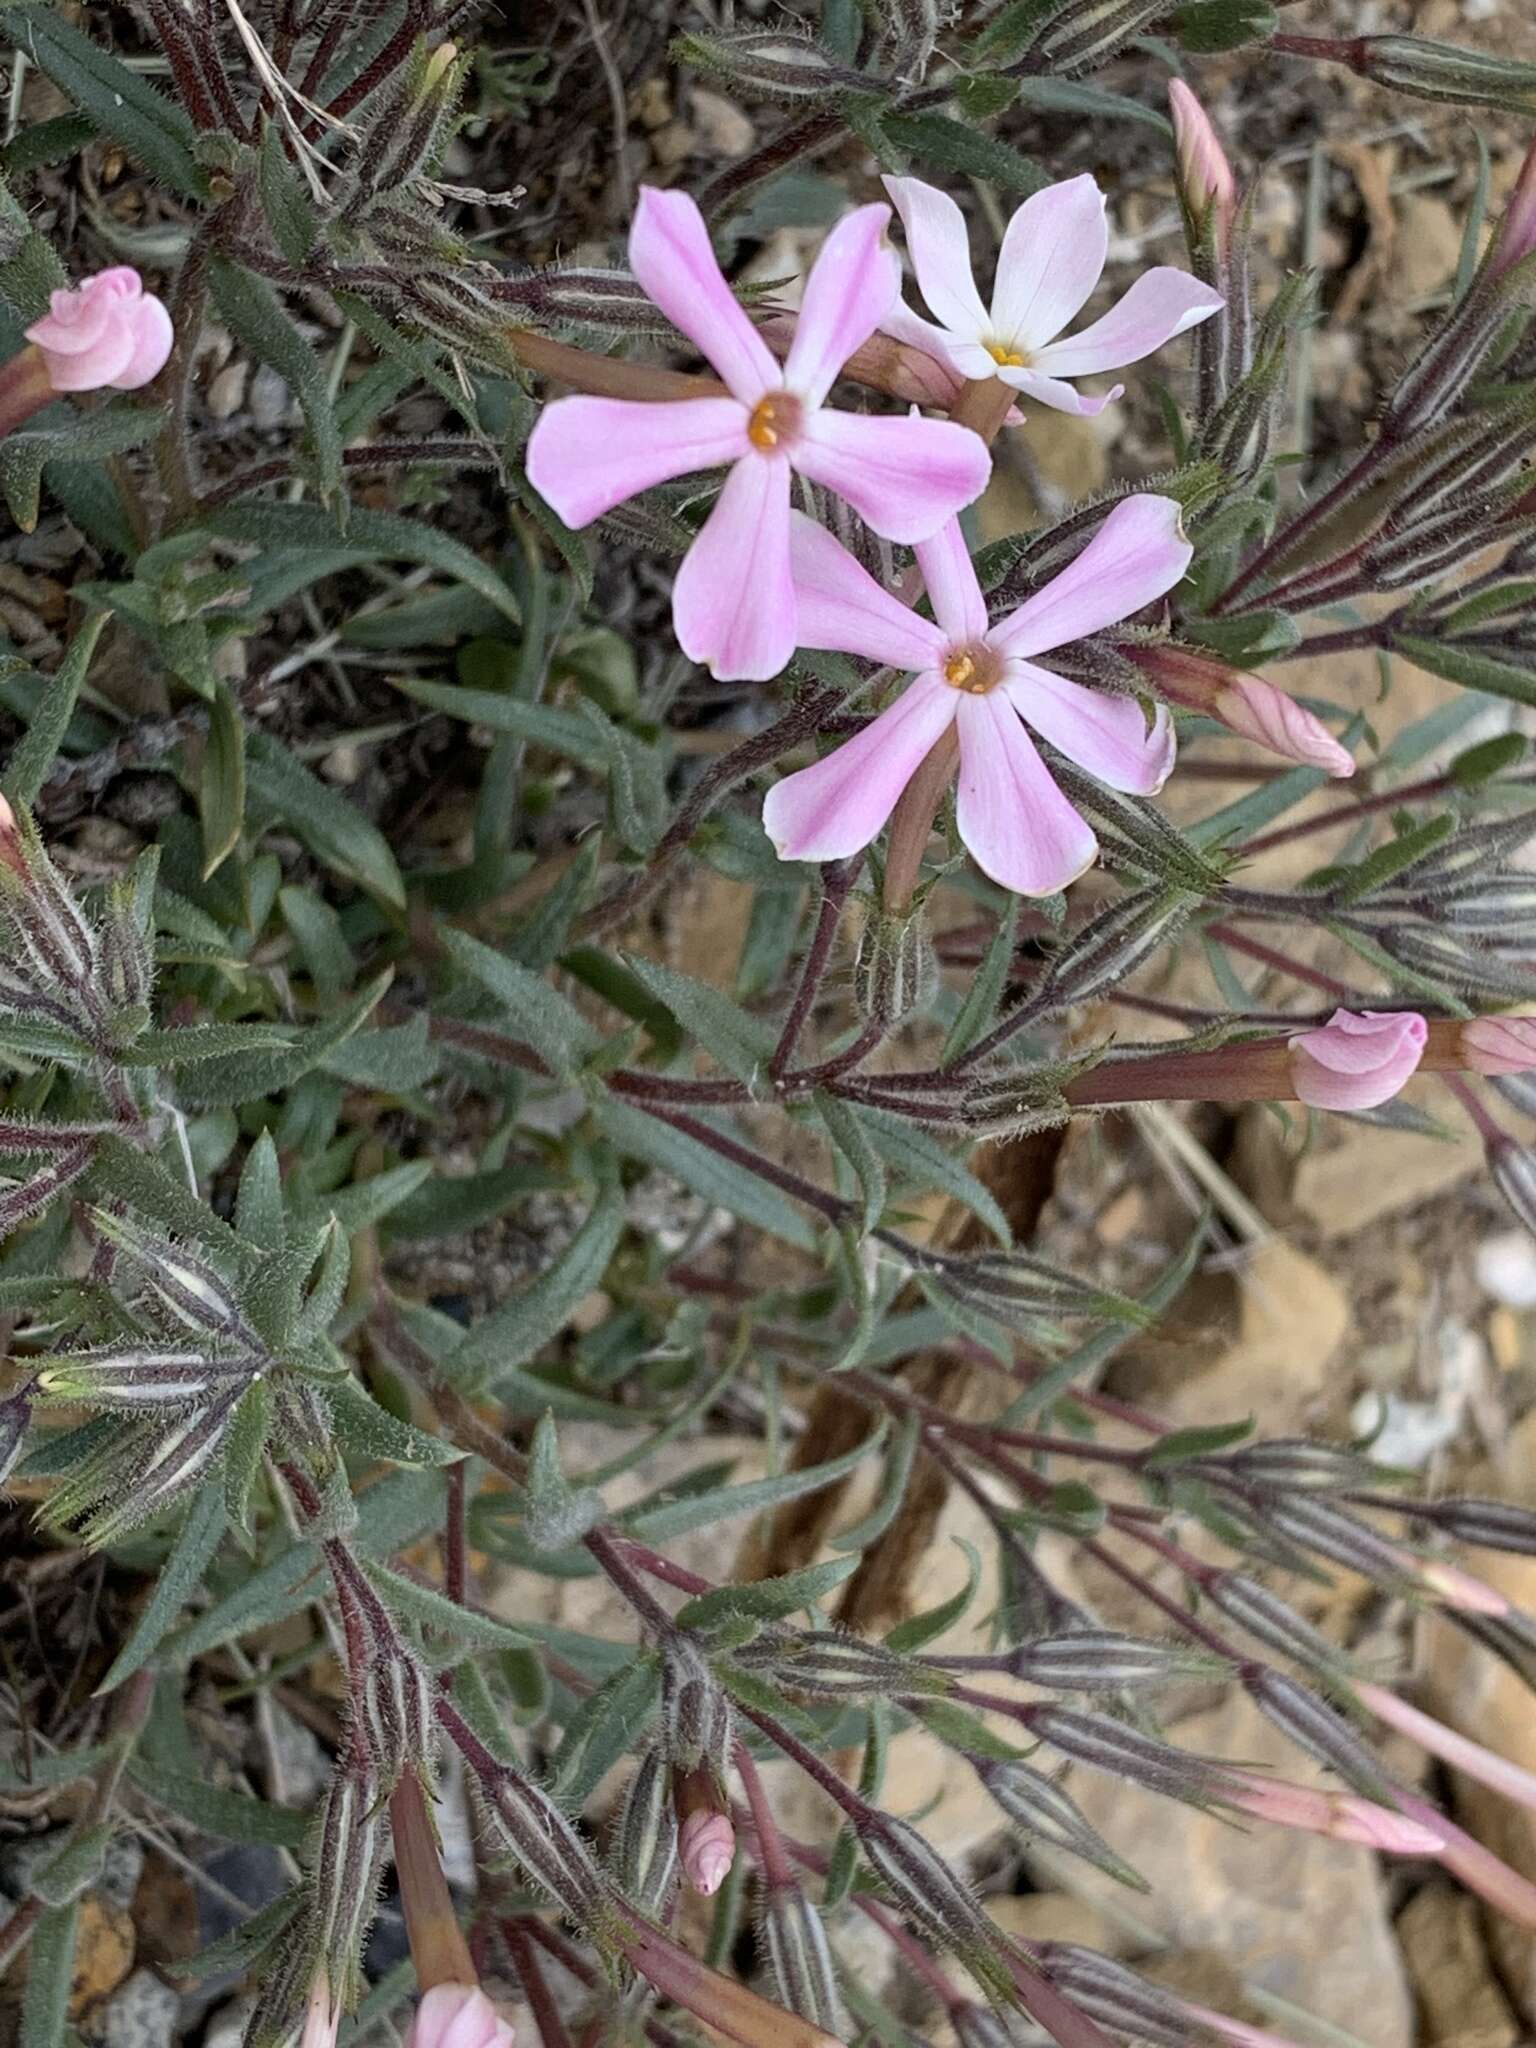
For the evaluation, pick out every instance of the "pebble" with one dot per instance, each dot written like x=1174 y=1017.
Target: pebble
x=271 y=400
x=723 y=127
x=1506 y=1268
x=226 y=393
x=141 y=2013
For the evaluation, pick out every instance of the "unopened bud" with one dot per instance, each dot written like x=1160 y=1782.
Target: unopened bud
x=1040 y=1807
x=1449 y=72
x=1081 y=35
x=800 y=1965
x=546 y=1845
x=647 y=1837
x=1455 y=1588
x=767 y=61
x=1118 y=1997
x=12 y=854
x=1206 y=184
x=1111 y=946
x=1342 y=1815
x=696 y=1713
x=1515 y=238
x=397 y=1713
x=894 y=971
x=1122 y=1752
x=1267 y=1618
x=706 y=1847
x=1511 y=1779
x=978 y=2026
x=139 y=1378
x=1514 y=1173
x=925 y=1886
x=1315 y=1727
x=1491 y=1524
x=1102 y=1660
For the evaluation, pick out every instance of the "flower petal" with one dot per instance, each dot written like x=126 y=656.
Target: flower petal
x=1051 y=259
x=853 y=284
x=103 y=363
x=1059 y=396
x=1019 y=827
x=904 y=477
x=669 y=253
x=841 y=606
x=1138 y=554
x=1159 y=305
x=1357 y=1060
x=837 y=806
x=153 y=337
x=940 y=249
x=949 y=578
x=733 y=603
x=962 y=358
x=586 y=455
x=1104 y=734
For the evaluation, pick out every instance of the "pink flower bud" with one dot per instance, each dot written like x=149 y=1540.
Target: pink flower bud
x=11 y=855
x=1499 y=1045
x=1470 y=1757
x=1357 y=1060
x=1205 y=176
x=1456 y=1588
x=458 y=2016
x=1256 y=710
x=1344 y=1816
x=106 y=332
x=707 y=1846
x=1515 y=238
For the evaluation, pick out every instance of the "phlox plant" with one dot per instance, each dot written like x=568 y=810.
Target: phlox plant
x=279 y=1039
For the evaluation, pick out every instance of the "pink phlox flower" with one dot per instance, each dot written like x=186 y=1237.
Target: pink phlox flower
x=1357 y=1060
x=733 y=603
x=106 y=332
x=1344 y=1816
x=458 y=2016
x=1052 y=257
x=982 y=678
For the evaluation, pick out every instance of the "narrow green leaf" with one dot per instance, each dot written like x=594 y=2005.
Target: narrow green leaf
x=517 y=1331
x=768 y=1599
x=850 y=1138
x=120 y=102
x=741 y=1043
x=232 y=1816
x=50 y=1972
x=922 y=1629
x=35 y=752
x=534 y=1010
x=752 y=1496
x=952 y=146
x=177 y=1579
x=333 y=829
x=253 y=313
x=221 y=785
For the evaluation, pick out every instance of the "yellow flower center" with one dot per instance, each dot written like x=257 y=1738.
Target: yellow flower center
x=974 y=669
x=1006 y=358
x=775 y=420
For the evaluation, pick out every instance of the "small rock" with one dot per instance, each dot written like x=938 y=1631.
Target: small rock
x=104 y=1944
x=723 y=127
x=1056 y=1916
x=1427 y=247
x=674 y=143
x=1369 y=1172
x=1298 y=1915
x=141 y=2014
x=226 y=391
x=121 y=1869
x=226 y=2029
x=1460 y=1998
x=1506 y=1268
x=271 y=400
x=651 y=103
x=1504 y=1339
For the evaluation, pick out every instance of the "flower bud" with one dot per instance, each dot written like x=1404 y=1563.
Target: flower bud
x=1118 y=1997
x=894 y=971
x=1344 y=1816
x=800 y=1963
x=1357 y=1060
x=1499 y=1045
x=1315 y=1727
x=1044 y=1812
x=1513 y=1780
x=546 y=1845
x=1206 y=184
x=770 y=62
x=1102 y=1660
x=1515 y=238
x=458 y=2016
x=138 y=1378
x=1450 y=72
x=1123 y=1752
x=706 y=1847
x=1267 y=1618
x=108 y=332
x=978 y=2026
x=1514 y=1173
x=1491 y=1524
x=1111 y=946
x=647 y=1837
